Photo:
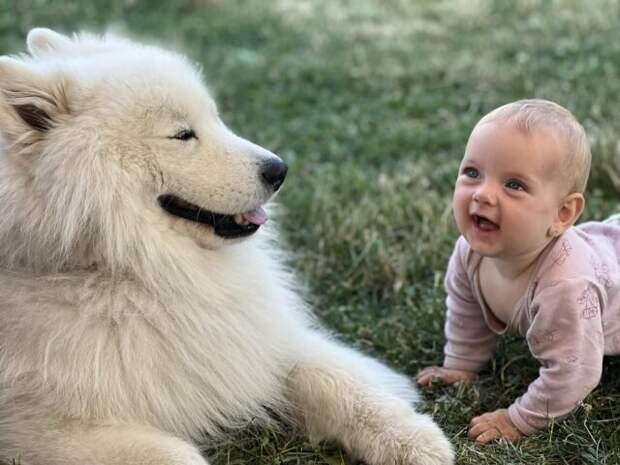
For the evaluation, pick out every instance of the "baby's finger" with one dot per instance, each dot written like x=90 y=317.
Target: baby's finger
x=477 y=429
x=427 y=370
x=478 y=419
x=427 y=375
x=426 y=380
x=488 y=436
x=423 y=379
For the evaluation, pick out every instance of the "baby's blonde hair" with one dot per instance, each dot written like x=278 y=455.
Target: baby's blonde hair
x=533 y=114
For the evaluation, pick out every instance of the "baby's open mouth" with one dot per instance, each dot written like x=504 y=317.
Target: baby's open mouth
x=484 y=223
x=228 y=226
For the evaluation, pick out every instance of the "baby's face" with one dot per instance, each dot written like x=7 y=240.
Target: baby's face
x=508 y=190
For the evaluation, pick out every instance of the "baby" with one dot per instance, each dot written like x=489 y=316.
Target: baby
x=520 y=266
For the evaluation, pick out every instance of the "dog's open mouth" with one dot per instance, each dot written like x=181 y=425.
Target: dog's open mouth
x=227 y=226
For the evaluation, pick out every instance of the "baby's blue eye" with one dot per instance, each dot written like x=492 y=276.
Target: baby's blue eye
x=471 y=172
x=515 y=185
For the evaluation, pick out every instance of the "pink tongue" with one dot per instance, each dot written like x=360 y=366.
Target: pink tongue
x=258 y=216
x=487 y=225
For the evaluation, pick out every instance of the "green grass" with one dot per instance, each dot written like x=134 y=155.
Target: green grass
x=371 y=102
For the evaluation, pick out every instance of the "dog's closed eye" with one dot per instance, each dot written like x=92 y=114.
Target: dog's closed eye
x=185 y=134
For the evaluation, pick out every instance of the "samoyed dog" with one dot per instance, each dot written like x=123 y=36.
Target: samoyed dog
x=144 y=309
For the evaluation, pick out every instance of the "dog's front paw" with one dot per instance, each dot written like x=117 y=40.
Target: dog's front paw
x=415 y=440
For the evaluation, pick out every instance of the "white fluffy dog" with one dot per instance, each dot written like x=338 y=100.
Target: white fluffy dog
x=141 y=311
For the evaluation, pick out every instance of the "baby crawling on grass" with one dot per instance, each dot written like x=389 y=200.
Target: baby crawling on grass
x=520 y=266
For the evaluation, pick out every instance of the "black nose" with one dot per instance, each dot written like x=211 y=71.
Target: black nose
x=274 y=172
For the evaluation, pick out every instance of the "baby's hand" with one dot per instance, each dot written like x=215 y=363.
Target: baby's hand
x=447 y=375
x=494 y=425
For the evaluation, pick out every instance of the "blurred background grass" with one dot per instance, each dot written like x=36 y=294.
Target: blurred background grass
x=371 y=103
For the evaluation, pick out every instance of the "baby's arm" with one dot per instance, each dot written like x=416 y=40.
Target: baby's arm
x=469 y=341
x=566 y=337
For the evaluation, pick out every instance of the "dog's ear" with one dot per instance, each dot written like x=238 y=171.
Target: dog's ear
x=31 y=103
x=42 y=41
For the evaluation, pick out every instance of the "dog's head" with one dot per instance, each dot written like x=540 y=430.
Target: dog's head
x=103 y=136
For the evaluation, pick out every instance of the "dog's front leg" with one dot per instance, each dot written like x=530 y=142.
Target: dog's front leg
x=341 y=395
x=114 y=444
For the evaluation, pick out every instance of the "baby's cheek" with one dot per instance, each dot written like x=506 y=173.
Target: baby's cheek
x=458 y=217
x=460 y=199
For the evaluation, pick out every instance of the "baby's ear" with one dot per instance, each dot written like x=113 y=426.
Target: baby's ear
x=31 y=102
x=573 y=208
x=42 y=41
x=569 y=212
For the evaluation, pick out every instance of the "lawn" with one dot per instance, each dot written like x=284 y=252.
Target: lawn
x=371 y=102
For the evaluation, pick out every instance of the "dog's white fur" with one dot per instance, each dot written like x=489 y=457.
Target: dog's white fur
x=128 y=334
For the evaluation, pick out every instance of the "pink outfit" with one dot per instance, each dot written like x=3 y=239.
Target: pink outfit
x=569 y=315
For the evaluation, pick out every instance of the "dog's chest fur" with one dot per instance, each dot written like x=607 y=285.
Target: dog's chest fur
x=95 y=348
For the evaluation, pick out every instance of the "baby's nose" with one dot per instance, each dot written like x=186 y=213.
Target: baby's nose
x=485 y=194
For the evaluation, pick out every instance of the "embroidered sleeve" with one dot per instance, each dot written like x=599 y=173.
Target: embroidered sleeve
x=566 y=337
x=469 y=341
